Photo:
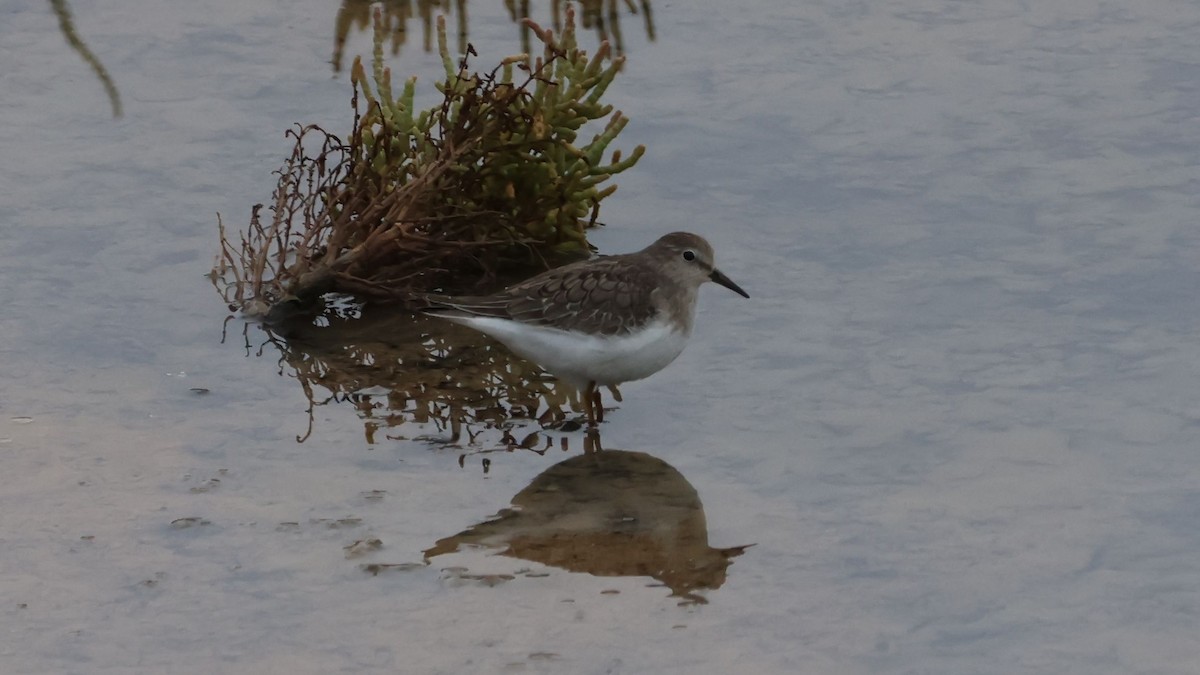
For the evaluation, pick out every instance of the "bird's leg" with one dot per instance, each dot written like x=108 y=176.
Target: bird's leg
x=591 y=442
x=598 y=402
x=589 y=400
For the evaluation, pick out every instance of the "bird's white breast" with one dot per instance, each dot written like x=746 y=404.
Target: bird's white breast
x=581 y=357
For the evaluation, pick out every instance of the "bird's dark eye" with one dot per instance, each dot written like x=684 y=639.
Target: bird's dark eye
x=689 y=255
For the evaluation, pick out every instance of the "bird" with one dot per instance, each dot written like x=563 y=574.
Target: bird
x=603 y=321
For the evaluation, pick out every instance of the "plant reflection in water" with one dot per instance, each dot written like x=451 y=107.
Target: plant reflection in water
x=413 y=377
x=603 y=16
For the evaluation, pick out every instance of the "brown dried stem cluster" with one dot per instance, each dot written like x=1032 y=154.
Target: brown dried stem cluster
x=491 y=179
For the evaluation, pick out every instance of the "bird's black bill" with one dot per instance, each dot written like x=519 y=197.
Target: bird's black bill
x=725 y=281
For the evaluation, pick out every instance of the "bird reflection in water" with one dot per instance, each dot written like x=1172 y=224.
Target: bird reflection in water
x=611 y=513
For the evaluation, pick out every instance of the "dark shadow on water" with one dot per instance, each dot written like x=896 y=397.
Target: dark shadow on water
x=412 y=377
x=609 y=513
x=602 y=16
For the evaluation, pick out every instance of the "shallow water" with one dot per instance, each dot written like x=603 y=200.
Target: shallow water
x=956 y=424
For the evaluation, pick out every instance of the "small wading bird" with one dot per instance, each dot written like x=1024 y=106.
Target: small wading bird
x=602 y=321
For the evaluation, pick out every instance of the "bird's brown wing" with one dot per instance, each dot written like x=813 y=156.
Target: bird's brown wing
x=606 y=296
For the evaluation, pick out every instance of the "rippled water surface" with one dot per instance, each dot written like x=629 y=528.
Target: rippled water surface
x=955 y=429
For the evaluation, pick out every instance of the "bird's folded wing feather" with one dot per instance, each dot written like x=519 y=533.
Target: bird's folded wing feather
x=597 y=296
